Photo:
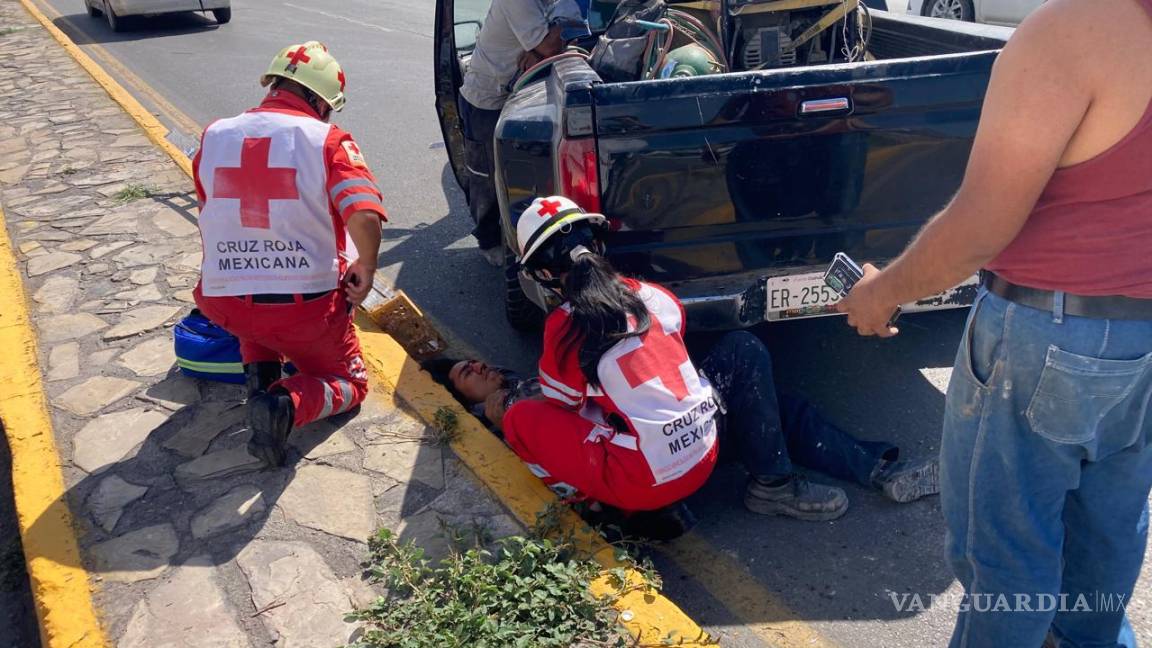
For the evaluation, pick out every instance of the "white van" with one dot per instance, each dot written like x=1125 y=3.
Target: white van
x=114 y=10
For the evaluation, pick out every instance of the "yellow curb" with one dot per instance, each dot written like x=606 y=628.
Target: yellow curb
x=59 y=585
x=653 y=619
x=147 y=121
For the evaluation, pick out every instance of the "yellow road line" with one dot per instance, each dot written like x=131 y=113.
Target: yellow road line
x=760 y=612
x=174 y=114
x=653 y=617
x=147 y=121
x=59 y=585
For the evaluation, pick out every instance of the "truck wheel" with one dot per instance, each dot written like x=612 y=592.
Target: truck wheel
x=222 y=16
x=92 y=10
x=522 y=314
x=953 y=9
x=115 y=23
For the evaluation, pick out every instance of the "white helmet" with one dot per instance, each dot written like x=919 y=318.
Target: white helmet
x=544 y=218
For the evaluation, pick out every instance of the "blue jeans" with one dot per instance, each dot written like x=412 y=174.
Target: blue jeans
x=769 y=431
x=1045 y=469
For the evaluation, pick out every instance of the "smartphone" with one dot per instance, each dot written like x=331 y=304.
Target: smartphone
x=843 y=274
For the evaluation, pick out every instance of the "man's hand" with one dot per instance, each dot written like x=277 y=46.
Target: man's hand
x=528 y=59
x=494 y=407
x=358 y=281
x=867 y=308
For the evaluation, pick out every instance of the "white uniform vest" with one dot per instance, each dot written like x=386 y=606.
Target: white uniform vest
x=266 y=224
x=674 y=435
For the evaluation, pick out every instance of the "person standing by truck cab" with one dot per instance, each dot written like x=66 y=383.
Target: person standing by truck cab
x=281 y=191
x=516 y=35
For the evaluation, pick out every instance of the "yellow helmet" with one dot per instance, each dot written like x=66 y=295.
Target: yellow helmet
x=310 y=65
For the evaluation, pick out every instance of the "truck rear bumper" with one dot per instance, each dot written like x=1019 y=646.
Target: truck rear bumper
x=741 y=301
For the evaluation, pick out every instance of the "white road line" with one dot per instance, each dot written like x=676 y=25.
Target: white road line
x=339 y=17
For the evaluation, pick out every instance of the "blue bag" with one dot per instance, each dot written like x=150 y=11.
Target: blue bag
x=204 y=350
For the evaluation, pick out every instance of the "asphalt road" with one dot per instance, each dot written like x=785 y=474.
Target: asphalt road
x=735 y=570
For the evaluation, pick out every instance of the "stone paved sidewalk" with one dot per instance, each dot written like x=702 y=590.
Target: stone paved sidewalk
x=190 y=543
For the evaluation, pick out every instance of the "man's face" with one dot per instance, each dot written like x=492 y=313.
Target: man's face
x=475 y=380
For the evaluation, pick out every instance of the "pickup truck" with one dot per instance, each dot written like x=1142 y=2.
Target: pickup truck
x=736 y=190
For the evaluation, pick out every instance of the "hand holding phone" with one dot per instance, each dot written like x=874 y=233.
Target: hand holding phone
x=843 y=274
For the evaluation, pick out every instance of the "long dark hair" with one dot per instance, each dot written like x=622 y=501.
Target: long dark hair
x=601 y=307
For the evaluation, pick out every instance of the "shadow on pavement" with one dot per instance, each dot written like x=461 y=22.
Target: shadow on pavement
x=17 y=614
x=87 y=29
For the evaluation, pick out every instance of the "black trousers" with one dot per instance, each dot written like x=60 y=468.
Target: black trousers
x=479 y=149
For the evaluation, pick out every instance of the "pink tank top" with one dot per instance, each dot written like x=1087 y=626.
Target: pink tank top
x=1091 y=230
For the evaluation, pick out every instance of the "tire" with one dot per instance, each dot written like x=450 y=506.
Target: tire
x=522 y=314
x=952 y=9
x=92 y=10
x=115 y=23
x=222 y=16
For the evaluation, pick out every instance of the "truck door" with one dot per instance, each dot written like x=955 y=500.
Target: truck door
x=458 y=24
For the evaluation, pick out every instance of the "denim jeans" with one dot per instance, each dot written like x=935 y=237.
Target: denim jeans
x=769 y=431
x=479 y=127
x=1045 y=470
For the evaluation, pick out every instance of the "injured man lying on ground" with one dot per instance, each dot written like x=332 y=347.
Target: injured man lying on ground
x=775 y=420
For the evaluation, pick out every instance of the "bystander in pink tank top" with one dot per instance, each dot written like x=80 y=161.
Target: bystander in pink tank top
x=1091 y=230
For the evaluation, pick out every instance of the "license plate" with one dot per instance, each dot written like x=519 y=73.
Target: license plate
x=806 y=295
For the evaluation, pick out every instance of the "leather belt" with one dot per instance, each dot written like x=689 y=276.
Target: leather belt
x=286 y=299
x=1104 y=307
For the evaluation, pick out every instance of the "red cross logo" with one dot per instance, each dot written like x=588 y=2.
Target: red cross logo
x=663 y=355
x=353 y=147
x=340 y=78
x=254 y=183
x=549 y=208
x=298 y=57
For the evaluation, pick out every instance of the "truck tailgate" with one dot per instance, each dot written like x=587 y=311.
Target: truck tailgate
x=762 y=172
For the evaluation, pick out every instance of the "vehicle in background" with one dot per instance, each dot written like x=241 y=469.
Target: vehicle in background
x=735 y=189
x=992 y=12
x=114 y=10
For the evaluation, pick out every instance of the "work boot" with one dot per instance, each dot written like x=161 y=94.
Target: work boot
x=270 y=417
x=259 y=376
x=795 y=497
x=906 y=481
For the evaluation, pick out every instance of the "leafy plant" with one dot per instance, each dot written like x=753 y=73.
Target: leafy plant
x=529 y=593
x=134 y=192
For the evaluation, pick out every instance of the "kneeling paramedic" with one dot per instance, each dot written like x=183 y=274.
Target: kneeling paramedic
x=628 y=420
x=281 y=192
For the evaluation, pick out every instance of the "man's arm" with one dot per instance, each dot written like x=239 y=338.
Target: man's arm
x=550 y=46
x=355 y=197
x=1035 y=102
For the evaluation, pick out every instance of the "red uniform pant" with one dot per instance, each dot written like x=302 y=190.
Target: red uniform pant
x=570 y=453
x=315 y=335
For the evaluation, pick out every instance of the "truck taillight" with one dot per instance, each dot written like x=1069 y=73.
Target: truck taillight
x=580 y=172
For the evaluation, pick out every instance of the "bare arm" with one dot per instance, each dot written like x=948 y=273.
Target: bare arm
x=550 y=46
x=1034 y=105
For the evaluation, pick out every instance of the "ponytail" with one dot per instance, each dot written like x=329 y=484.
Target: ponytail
x=601 y=307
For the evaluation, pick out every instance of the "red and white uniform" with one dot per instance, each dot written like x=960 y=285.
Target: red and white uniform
x=276 y=186
x=666 y=448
